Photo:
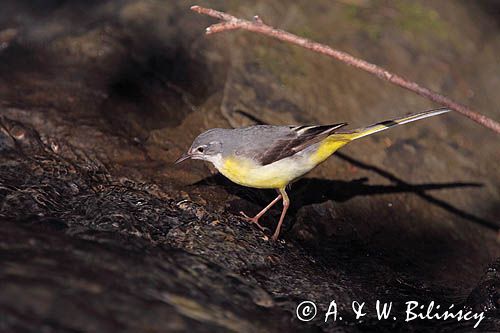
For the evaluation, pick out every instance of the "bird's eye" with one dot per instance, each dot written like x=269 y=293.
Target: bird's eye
x=200 y=149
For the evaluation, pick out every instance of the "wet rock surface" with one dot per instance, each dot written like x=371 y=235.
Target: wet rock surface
x=100 y=232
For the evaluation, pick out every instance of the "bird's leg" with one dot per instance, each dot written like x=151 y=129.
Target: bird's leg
x=256 y=218
x=286 y=203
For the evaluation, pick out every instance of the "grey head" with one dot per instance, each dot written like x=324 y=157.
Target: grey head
x=207 y=145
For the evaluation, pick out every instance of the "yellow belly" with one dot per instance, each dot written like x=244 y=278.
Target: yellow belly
x=246 y=173
x=278 y=174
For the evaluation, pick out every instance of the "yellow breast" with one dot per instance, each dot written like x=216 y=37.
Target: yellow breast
x=245 y=172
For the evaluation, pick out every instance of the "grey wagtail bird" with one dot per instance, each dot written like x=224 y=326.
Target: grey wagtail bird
x=272 y=157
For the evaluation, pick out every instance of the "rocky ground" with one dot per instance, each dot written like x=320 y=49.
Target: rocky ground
x=99 y=231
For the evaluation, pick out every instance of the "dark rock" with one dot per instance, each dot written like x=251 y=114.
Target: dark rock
x=486 y=296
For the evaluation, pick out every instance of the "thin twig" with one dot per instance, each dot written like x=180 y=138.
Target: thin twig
x=230 y=22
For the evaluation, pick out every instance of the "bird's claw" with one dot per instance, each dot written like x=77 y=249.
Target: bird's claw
x=253 y=220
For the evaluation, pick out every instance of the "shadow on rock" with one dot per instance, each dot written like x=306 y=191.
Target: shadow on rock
x=345 y=236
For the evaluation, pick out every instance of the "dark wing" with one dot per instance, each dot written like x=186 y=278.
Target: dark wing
x=298 y=138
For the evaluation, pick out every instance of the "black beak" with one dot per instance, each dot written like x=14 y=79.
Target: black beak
x=182 y=158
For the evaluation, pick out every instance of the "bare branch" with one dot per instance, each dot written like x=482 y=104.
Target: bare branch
x=232 y=23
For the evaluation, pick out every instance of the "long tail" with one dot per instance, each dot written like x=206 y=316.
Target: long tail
x=361 y=132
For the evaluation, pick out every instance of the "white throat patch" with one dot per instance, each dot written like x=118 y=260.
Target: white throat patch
x=216 y=160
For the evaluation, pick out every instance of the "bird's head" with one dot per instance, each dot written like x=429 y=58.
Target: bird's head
x=207 y=146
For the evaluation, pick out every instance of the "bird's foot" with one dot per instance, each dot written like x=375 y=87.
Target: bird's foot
x=254 y=220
